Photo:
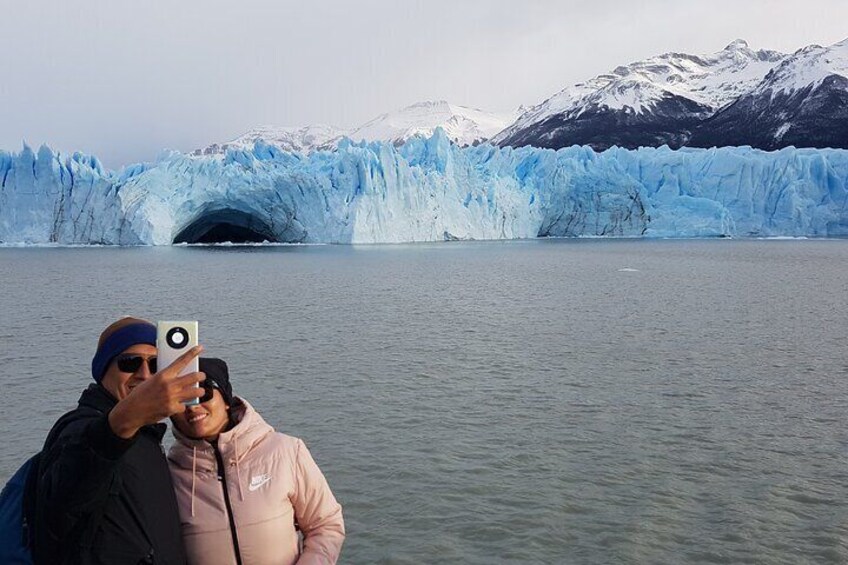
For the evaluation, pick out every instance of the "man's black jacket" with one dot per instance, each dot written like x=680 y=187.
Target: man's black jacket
x=88 y=475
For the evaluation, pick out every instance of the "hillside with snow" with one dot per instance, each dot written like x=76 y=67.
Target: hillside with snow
x=802 y=102
x=736 y=96
x=294 y=139
x=463 y=126
x=658 y=101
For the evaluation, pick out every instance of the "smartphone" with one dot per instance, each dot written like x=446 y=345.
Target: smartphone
x=172 y=340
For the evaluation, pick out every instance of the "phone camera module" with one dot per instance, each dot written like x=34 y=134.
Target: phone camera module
x=177 y=338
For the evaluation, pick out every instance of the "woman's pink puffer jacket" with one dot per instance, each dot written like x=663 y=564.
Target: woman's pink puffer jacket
x=271 y=482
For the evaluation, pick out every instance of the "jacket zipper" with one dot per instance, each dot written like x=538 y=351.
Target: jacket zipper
x=223 y=479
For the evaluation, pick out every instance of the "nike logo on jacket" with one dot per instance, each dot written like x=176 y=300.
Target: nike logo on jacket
x=258 y=481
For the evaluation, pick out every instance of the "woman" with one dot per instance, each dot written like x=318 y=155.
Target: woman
x=244 y=489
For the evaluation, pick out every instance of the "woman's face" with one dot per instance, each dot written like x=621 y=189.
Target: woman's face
x=205 y=420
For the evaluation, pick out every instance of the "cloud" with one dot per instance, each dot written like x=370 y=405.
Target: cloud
x=123 y=80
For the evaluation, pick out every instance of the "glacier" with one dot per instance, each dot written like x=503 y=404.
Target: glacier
x=427 y=189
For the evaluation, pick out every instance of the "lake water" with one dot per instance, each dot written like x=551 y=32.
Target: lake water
x=600 y=401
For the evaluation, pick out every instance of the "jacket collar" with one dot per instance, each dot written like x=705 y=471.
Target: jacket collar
x=97 y=397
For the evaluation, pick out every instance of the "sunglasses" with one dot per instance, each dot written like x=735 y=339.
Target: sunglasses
x=208 y=387
x=132 y=363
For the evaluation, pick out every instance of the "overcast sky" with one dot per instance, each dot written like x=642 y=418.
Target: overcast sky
x=123 y=80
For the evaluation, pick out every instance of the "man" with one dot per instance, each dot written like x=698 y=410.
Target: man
x=104 y=491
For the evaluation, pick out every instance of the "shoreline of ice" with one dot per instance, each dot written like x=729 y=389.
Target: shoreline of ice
x=269 y=245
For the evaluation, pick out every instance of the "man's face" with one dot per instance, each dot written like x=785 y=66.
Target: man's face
x=119 y=383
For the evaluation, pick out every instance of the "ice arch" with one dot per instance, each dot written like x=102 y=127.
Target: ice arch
x=220 y=226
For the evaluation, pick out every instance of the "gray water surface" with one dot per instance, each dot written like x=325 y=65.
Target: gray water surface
x=537 y=401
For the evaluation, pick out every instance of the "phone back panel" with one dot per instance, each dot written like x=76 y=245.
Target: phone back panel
x=172 y=340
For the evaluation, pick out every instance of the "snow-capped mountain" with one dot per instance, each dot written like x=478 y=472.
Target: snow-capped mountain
x=295 y=139
x=657 y=101
x=803 y=102
x=737 y=96
x=464 y=126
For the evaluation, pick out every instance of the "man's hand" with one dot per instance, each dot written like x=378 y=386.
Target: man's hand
x=160 y=396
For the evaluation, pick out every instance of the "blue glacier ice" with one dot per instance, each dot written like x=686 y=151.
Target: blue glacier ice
x=424 y=190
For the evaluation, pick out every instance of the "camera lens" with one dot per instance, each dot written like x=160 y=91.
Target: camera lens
x=177 y=338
